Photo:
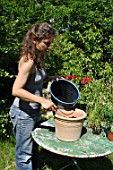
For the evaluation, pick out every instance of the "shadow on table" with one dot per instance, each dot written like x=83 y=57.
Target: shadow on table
x=84 y=131
x=50 y=128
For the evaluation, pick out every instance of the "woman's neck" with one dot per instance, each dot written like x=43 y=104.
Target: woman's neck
x=40 y=61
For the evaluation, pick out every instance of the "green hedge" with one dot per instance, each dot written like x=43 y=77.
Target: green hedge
x=84 y=46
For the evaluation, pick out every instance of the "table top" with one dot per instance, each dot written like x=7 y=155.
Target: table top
x=88 y=146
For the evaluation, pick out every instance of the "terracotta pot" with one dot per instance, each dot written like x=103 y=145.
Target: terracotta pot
x=69 y=128
x=64 y=113
x=110 y=136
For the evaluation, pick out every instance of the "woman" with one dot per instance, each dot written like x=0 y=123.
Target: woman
x=27 y=88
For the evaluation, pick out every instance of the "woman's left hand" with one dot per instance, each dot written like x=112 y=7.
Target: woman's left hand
x=58 y=78
x=50 y=78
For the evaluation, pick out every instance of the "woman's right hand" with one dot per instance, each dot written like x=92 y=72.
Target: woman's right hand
x=48 y=105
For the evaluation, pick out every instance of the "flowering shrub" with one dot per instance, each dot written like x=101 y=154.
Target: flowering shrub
x=82 y=48
x=100 y=101
x=96 y=98
x=83 y=81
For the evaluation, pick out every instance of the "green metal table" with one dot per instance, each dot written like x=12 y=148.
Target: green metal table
x=88 y=146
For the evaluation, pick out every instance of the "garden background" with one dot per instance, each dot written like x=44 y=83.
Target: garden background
x=82 y=51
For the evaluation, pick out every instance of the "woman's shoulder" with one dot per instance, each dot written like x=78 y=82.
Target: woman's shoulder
x=29 y=63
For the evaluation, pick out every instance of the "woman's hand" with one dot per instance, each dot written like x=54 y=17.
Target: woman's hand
x=57 y=77
x=50 y=78
x=48 y=105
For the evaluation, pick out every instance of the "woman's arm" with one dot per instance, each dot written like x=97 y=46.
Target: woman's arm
x=20 y=92
x=20 y=81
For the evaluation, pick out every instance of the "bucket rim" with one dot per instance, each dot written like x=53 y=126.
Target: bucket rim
x=69 y=103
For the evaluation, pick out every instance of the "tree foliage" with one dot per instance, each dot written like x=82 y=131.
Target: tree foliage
x=83 y=47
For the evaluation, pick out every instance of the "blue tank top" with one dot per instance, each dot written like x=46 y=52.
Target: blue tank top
x=34 y=85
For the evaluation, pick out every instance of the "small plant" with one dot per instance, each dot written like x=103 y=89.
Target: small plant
x=111 y=129
x=99 y=102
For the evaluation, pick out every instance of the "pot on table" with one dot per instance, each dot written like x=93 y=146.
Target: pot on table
x=68 y=124
x=110 y=136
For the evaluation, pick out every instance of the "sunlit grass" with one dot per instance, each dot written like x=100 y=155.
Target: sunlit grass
x=7 y=155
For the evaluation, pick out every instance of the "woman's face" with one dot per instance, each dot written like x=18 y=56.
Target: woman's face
x=44 y=45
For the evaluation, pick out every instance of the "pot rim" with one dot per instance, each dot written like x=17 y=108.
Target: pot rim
x=65 y=112
x=69 y=118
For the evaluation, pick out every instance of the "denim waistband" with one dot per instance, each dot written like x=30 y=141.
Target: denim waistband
x=28 y=111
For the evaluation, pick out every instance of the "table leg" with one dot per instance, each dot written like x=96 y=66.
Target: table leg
x=74 y=163
x=65 y=166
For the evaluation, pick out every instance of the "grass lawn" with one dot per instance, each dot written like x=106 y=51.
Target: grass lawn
x=7 y=158
x=50 y=161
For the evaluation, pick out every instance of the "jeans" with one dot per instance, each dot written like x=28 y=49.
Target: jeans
x=24 y=122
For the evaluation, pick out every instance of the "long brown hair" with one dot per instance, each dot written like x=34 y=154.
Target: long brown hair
x=36 y=32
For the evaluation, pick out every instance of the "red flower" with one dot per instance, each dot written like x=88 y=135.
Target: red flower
x=86 y=80
x=71 y=77
x=75 y=77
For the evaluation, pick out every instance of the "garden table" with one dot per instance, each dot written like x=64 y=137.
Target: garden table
x=88 y=146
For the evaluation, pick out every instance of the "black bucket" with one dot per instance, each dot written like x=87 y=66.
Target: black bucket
x=64 y=94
